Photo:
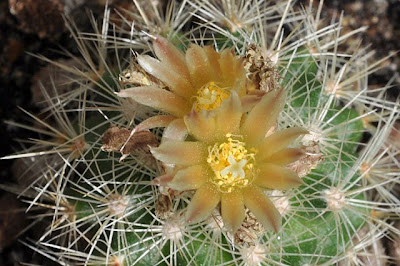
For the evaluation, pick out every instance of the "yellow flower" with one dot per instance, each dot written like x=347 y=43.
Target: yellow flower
x=199 y=80
x=232 y=161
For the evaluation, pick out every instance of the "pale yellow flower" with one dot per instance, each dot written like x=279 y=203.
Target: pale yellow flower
x=232 y=162
x=199 y=80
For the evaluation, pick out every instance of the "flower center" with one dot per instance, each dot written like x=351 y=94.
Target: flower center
x=210 y=97
x=233 y=165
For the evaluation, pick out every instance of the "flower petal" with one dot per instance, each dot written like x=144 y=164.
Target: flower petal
x=285 y=156
x=233 y=71
x=213 y=57
x=159 y=99
x=176 y=130
x=228 y=116
x=213 y=127
x=171 y=56
x=203 y=203
x=200 y=126
x=155 y=121
x=180 y=152
x=273 y=176
x=176 y=82
x=262 y=207
x=162 y=180
x=278 y=141
x=249 y=101
x=199 y=66
x=227 y=64
x=263 y=116
x=232 y=210
x=192 y=177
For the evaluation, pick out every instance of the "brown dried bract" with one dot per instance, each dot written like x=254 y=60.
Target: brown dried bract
x=41 y=17
x=122 y=140
x=310 y=161
x=135 y=76
x=260 y=69
x=248 y=233
x=163 y=206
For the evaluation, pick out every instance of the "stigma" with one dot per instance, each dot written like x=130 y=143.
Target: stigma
x=210 y=97
x=232 y=163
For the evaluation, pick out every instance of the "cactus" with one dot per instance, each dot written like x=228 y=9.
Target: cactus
x=146 y=160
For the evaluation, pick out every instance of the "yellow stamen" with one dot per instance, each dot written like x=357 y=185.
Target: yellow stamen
x=210 y=97
x=233 y=165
